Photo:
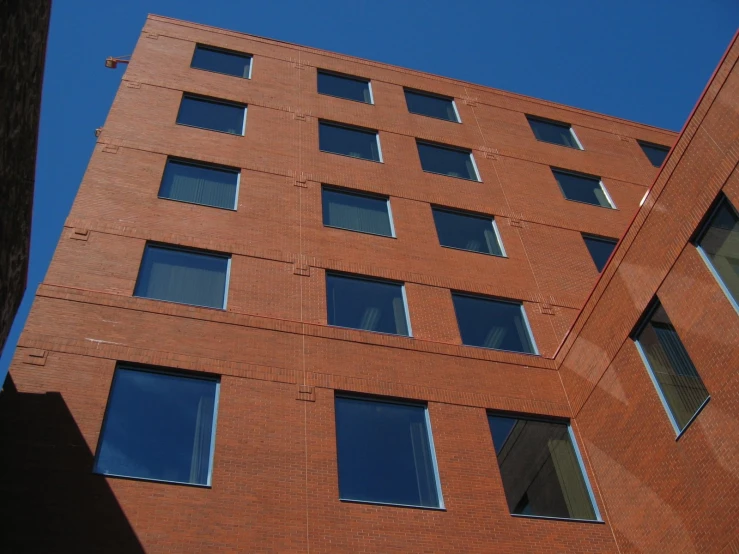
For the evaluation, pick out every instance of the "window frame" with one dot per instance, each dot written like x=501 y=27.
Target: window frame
x=205 y=165
x=701 y=233
x=352 y=192
x=442 y=146
x=375 y=280
x=330 y=123
x=200 y=251
x=225 y=51
x=530 y=331
x=467 y=213
x=186 y=374
x=578 y=455
x=644 y=320
x=346 y=76
x=643 y=143
x=432 y=95
x=601 y=239
x=211 y=100
x=530 y=117
x=555 y=170
x=432 y=449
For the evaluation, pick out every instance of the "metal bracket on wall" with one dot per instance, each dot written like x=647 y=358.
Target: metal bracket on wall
x=110 y=149
x=306 y=393
x=546 y=309
x=34 y=356
x=79 y=234
x=301 y=267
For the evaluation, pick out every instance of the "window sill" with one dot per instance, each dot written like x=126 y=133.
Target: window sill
x=412 y=506
x=434 y=117
x=361 y=232
x=150 y=480
x=692 y=419
x=222 y=73
x=562 y=145
x=524 y=516
x=452 y=176
x=196 y=203
x=474 y=251
x=535 y=354
x=223 y=309
x=213 y=130
x=352 y=157
x=345 y=98
x=370 y=331
x=614 y=208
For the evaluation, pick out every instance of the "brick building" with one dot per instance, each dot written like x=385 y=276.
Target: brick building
x=306 y=302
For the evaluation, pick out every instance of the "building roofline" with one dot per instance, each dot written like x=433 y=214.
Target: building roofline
x=476 y=86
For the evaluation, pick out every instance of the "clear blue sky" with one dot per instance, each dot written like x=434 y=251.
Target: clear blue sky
x=646 y=60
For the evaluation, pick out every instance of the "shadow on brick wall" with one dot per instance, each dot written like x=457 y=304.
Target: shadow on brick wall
x=49 y=499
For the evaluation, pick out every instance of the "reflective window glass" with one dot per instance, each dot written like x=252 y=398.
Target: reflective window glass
x=655 y=153
x=491 y=323
x=447 y=161
x=553 y=132
x=370 y=305
x=221 y=61
x=582 y=188
x=343 y=86
x=356 y=212
x=431 y=105
x=198 y=183
x=600 y=249
x=349 y=141
x=385 y=453
x=467 y=232
x=212 y=115
x=719 y=244
x=159 y=426
x=541 y=472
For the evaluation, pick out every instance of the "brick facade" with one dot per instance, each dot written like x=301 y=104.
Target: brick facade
x=275 y=483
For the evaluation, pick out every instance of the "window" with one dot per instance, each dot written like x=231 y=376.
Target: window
x=222 y=61
x=600 y=249
x=446 y=160
x=674 y=376
x=554 y=132
x=718 y=244
x=492 y=323
x=357 y=212
x=367 y=304
x=582 y=188
x=467 y=232
x=431 y=105
x=214 y=115
x=344 y=86
x=349 y=141
x=184 y=276
x=159 y=426
x=654 y=152
x=541 y=468
x=198 y=183
x=386 y=453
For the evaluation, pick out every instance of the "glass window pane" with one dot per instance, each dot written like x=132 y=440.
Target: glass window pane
x=221 y=61
x=720 y=244
x=344 y=87
x=158 y=426
x=356 y=212
x=555 y=133
x=182 y=276
x=466 y=232
x=364 y=304
x=384 y=453
x=200 y=184
x=541 y=473
x=600 y=249
x=446 y=161
x=655 y=153
x=582 y=188
x=671 y=366
x=431 y=106
x=206 y=114
x=489 y=323
x=348 y=141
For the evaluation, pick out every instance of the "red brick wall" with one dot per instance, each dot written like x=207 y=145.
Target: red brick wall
x=274 y=474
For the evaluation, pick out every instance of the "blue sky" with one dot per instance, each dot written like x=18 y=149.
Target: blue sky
x=646 y=60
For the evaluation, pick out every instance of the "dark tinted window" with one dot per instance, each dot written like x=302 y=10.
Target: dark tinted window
x=356 y=212
x=200 y=184
x=555 y=133
x=430 y=105
x=466 y=232
x=582 y=188
x=209 y=114
x=540 y=469
x=671 y=367
x=447 y=161
x=221 y=61
x=385 y=453
x=655 y=153
x=158 y=426
x=490 y=323
x=600 y=249
x=719 y=242
x=342 y=86
x=366 y=304
x=349 y=141
x=182 y=276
